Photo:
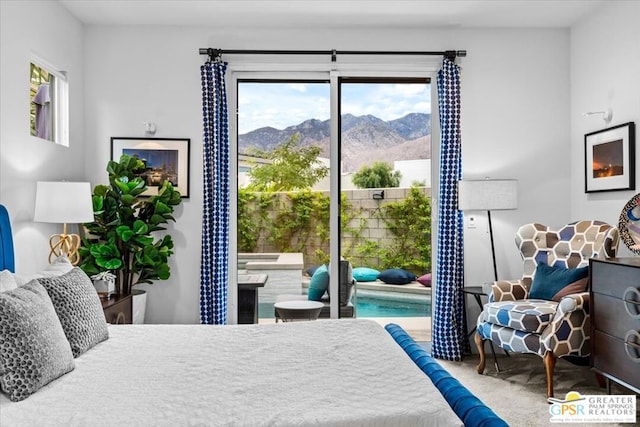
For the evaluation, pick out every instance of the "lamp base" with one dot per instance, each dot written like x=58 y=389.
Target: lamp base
x=65 y=244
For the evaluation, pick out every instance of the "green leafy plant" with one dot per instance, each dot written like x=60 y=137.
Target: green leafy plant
x=378 y=175
x=292 y=167
x=121 y=238
x=409 y=222
x=299 y=222
x=253 y=217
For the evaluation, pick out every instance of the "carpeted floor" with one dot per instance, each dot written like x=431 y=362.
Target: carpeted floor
x=518 y=392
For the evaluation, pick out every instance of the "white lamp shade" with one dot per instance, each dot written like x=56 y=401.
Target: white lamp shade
x=487 y=194
x=63 y=202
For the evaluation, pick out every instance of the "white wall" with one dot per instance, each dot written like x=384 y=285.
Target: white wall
x=515 y=112
x=418 y=170
x=509 y=125
x=515 y=99
x=605 y=73
x=46 y=29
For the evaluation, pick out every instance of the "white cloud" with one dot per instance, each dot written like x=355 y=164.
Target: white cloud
x=280 y=105
x=300 y=87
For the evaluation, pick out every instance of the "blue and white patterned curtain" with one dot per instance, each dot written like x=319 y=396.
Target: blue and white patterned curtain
x=449 y=341
x=215 y=211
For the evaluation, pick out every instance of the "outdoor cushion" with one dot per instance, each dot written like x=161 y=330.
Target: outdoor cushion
x=365 y=274
x=319 y=283
x=311 y=270
x=425 y=280
x=397 y=276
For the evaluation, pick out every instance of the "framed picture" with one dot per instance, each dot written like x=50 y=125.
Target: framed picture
x=610 y=159
x=165 y=158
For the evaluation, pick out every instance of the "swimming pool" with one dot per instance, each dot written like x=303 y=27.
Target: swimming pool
x=283 y=269
x=392 y=304
x=378 y=304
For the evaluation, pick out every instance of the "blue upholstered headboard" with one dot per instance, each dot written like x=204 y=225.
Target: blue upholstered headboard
x=6 y=242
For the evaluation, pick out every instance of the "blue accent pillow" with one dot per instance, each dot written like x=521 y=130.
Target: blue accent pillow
x=311 y=270
x=365 y=274
x=319 y=283
x=397 y=276
x=548 y=280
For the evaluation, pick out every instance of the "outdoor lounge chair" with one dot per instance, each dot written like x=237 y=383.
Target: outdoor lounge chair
x=348 y=297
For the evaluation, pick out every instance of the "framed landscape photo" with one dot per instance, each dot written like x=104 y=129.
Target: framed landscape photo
x=165 y=158
x=610 y=159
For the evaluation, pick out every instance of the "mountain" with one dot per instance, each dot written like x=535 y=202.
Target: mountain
x=364 y=138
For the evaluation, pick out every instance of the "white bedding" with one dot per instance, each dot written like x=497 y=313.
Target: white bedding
x=322 y=373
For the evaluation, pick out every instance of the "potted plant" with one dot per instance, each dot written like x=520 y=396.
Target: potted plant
x=122 y=238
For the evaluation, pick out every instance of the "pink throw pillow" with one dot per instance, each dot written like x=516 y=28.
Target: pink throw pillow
x=425 y=280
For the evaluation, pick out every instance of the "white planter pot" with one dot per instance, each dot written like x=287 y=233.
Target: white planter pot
x=138 y=306
x=105 y=287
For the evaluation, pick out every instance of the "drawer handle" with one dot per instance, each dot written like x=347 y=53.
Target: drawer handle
x=631 y=298
x=631 y=346
x=120 y=319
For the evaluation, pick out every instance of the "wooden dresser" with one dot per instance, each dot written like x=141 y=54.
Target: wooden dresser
x=615 y=320
x=117 y=309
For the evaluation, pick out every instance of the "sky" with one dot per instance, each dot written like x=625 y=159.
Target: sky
x=280 y=105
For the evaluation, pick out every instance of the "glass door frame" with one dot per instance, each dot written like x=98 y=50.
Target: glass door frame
x=332 y=73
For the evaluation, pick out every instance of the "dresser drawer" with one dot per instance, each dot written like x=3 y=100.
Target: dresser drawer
x=610 y=358
x=117 y=310
x=613 y=278
x=610 y=315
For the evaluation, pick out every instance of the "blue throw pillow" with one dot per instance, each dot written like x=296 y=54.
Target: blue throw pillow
x=311 y=270
x=397 y=276
x=364 y=274
x=548 y=280
x=319 y=283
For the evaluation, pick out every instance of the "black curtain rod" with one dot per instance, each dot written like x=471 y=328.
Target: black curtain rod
x=217 y=53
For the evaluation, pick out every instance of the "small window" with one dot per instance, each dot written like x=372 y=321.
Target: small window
x=49 y=103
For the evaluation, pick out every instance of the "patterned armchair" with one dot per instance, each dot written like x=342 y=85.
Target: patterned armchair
x=550 y=329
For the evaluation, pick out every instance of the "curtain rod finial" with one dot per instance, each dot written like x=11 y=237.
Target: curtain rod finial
x=452 y=54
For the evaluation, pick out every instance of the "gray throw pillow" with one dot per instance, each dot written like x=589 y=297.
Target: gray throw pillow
x=33 y=348
x=79 y=309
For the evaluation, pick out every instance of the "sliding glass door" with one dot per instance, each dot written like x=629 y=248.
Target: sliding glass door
x=385 y=169
x=283 y=171
x=334 y=168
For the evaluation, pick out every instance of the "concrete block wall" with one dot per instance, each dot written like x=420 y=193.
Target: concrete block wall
x=362 y=202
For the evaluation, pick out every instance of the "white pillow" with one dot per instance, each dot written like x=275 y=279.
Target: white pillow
x=58 y=267
x=7 y=281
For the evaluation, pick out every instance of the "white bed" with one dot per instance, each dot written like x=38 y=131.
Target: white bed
x=325 y=373
x=62 y=365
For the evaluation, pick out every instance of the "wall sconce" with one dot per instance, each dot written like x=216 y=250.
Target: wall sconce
x=64 y=203
x=607 y=115
x=149 y=128
x=377 y=194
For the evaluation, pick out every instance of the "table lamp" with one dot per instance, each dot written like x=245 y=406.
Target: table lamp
x=488 y=195
x=64 y=202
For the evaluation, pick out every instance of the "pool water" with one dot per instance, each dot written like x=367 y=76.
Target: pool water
x=388 y=307
x=378 y=304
